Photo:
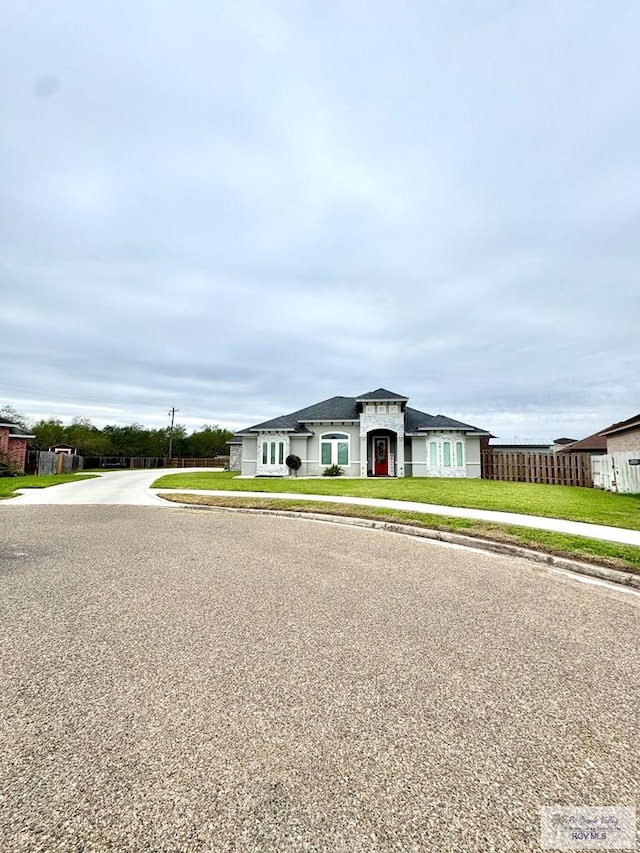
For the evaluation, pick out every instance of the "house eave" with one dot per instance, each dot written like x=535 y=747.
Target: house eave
x=624 y=428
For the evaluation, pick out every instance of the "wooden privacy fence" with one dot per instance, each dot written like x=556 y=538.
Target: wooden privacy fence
x=557 y=469
x=43 y=462
x=617 y=472
x=114 y=462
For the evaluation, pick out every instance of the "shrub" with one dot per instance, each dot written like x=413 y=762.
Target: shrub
x=333 y=471
x=7 y=469
x=293 y=462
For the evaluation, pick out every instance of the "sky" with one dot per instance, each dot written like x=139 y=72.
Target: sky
x=241 y=208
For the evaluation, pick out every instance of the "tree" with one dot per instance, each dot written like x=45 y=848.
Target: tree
x=208 y=441
x=48 y=431
x=85 y=437
x=13 y=416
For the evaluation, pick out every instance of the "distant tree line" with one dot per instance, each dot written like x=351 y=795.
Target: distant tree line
x=113 y=440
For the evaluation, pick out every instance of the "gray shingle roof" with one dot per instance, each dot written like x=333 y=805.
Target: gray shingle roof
x=333 y=409
x=381 y=394
x=346 y=409
x=16 y=431
x=415 y=421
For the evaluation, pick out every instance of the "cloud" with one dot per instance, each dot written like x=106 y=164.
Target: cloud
x=242 y=208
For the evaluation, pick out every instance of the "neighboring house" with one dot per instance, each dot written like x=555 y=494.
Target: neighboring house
x=519 y=446
x=13 y=444
x=560 y=443
x=595 y=445
x=373 y=435
x=615 y=456
x=623 y=436
x=63 y=448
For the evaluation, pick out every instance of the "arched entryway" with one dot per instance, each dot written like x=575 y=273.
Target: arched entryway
x=382 y=453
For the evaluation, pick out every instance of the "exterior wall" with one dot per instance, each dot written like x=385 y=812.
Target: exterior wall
x=17 y=452
x=411 y=454
x=421 y=462
x=408 y=458
x=249 y=455
x=312 y=458
x=235 y=457
x=272 y=469
x=15 y=449
x=299 y=447
x=372 y=420
x=624 y=441
x=473 y=456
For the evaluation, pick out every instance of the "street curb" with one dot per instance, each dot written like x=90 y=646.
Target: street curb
x=590 y=569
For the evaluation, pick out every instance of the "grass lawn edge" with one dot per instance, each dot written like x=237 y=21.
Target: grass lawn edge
x=10 y=486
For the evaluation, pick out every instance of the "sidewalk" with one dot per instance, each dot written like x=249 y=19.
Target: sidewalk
x=557 y=525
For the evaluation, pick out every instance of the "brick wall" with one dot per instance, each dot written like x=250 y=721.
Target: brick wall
x=4 y=439
x=17 y=452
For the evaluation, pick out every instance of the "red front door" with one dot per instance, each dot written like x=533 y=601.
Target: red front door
x=381 y=456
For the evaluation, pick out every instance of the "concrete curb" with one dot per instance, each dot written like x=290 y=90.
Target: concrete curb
x=564 y=563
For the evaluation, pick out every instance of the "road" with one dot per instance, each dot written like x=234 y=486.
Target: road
x=181 y=680
x=132 y=488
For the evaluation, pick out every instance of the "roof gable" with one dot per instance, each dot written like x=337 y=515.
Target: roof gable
x=380 y=394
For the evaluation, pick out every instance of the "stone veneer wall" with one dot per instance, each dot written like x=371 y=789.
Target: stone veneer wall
x=269 y=469
x=235 y=457
x=370 y=421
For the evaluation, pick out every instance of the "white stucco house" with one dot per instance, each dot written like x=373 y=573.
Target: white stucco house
x=374 y=435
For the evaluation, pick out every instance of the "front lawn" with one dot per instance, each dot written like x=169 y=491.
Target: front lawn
x=575 y=504
x=9 y=485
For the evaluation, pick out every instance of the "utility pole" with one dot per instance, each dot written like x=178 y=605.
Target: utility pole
x=172 y=414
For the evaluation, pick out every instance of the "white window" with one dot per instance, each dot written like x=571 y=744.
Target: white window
x=334 y=448
x=272 y=450
x=445 y=453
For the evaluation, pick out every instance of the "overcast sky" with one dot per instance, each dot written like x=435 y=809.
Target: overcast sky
x=242 y=208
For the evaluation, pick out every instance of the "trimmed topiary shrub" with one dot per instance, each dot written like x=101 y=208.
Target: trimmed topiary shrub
x=293 y=463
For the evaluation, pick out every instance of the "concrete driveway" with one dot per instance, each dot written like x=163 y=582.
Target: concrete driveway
x=186 y=681
x=127 y=488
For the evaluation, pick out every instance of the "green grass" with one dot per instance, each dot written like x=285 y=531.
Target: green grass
x=576 y=504
x=610 y=554
x=9 y=485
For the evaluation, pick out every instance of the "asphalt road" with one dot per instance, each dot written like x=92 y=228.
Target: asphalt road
x=184 y=680
x=132 y=488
